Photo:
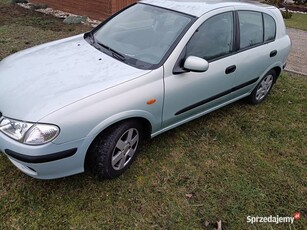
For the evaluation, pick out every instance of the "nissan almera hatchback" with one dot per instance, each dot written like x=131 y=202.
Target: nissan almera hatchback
x=88 y=101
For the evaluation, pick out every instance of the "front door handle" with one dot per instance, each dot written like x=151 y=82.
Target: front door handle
x=230 y=69
x=273 y=53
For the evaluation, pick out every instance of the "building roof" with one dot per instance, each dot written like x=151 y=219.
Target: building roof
x=198 y=7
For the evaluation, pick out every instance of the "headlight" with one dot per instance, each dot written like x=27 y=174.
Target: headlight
x=28 y=133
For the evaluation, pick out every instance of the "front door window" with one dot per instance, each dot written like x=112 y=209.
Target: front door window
x=213 y=39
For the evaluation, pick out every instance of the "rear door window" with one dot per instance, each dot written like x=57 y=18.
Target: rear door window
x=251 y=28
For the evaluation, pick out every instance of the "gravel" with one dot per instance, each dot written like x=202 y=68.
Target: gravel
x=297 y=61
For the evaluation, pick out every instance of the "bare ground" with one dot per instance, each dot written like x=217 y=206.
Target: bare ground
x=297 y=61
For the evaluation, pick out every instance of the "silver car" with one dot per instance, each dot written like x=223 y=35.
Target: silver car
x=87 y=102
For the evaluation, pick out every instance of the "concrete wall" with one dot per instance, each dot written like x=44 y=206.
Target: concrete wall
x=95 y=9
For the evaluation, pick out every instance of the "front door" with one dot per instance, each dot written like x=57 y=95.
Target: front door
x=191 y=94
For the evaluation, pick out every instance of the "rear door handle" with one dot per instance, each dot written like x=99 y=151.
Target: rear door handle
x=230 y=69
x=273 y=53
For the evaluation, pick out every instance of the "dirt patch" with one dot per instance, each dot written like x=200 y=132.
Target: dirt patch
x=61 y=14
x=9 y=13
x=21 y=28
x=14 y=14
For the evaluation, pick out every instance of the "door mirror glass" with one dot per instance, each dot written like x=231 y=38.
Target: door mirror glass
x=196 y=64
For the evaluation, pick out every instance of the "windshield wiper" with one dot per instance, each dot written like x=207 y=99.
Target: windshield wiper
x=115 y=54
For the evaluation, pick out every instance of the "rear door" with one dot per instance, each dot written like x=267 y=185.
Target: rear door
x=256 y=49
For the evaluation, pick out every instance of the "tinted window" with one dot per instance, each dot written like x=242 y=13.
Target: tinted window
x=269 y=28
x=213 y=39
x=251 y=28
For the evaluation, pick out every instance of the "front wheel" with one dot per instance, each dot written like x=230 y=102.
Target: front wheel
x=263 y=89
x=113 y=152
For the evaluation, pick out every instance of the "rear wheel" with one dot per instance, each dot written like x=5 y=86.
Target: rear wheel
x=113 y=152
x=263 y=89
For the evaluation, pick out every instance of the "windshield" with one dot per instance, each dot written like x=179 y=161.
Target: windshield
x=141 y=35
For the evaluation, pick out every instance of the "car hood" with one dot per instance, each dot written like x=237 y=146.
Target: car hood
x=40 y=80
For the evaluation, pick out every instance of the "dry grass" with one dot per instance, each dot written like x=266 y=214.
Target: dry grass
x=241 y=160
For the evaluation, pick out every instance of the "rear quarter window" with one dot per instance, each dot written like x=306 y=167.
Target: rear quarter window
x=269 y=28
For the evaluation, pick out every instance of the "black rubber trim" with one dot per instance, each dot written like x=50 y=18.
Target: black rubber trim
x=41 y=159
x=216 y=96
x=245 y=84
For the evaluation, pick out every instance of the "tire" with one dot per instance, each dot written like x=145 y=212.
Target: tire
x=263 y=88
x=112 y=152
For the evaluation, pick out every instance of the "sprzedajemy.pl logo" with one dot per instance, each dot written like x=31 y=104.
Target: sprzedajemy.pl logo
x=273 y=219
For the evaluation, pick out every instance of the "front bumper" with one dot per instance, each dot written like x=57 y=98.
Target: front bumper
x=43 y=158
x=48 y=161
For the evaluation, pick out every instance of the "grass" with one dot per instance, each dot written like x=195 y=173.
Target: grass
x=238 y=161
x=241 y=160
x=297 y=21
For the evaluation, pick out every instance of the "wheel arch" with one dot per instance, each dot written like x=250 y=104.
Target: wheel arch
x=145 y=117
x=274 y=72
x=145 y=122
x=277 y=70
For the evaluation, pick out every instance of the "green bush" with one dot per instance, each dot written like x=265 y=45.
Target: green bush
x=286 y=14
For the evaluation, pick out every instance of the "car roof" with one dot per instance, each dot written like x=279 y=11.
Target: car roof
x=200 y=7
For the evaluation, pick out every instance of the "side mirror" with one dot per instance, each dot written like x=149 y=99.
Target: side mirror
x=196 y=64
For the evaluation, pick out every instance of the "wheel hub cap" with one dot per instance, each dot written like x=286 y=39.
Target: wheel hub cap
x=264 y=87
x=125 y=149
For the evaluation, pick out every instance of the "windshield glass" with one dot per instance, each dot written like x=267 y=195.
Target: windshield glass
x=142 y=34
